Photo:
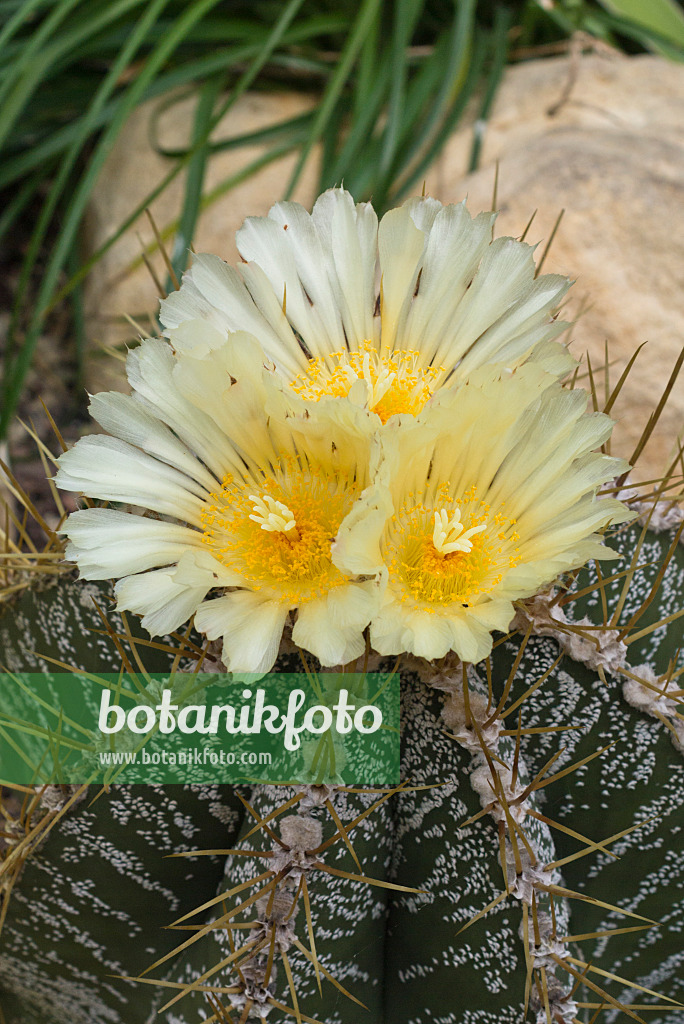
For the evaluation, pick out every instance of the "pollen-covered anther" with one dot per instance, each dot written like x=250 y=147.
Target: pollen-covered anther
x=438 y=561
x=273 y=516
x=397 y=382
x=449 y=534
x=277 y=536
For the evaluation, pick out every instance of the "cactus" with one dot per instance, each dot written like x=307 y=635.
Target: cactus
x=528 y=865
x=432 y=935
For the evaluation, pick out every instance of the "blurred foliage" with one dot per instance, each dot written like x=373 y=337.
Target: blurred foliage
x=392 y=79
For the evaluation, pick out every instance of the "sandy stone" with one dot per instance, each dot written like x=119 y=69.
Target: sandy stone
x=120 y=284
x=613 y=157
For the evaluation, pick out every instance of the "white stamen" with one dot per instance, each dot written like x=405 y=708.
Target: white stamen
x=449 y=534
x=351 y=374
x=377 y=388
x=383 y=383
x=273 y=516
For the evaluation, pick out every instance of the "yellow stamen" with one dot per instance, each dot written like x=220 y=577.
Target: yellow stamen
x=450 y=555
x=279 y=538
x=396 y=382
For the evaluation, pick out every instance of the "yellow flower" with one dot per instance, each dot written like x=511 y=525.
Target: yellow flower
x=263 y=493
x=482 y=500
x=247 y=491
x=385 y=314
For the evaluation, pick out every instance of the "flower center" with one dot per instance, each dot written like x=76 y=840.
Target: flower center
x=278 y=535
x=450 y=535
x=442 y=555
x=273 y=516
x=395 y=381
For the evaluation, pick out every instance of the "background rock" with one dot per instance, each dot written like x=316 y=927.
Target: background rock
x=120 y=284
x=613 y=157
x=611 y=154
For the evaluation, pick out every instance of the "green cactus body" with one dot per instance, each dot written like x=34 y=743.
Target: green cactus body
x=407 y=955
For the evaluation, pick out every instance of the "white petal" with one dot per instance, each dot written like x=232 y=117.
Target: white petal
x=471 y=638
x=214 y=292
x=549 y=445
x=348 y=235
x=570 y=526
x=336 y=435
x=508 y=401
x=289 y=357
x=528 y=579
x=531 y=311
x=287 y=248
x=400 y=627
x=196 y=337
x=123 y=417
x=107 y=543
x=455 y=245
x=251 y=627
x=196 y=566
x=332 y=627
x=224 y=289
x=563 y=485
x=188 y=303
x=300 y=234
x=432 y=632
x=150 y=372
x=401 y=245
x=552 y=356
x=535 y=345
x=166 y=598
x=505 y=274
x=357 y=546
x=230 y=384
x=423 y=210
x=110 y=469
x=495 y=614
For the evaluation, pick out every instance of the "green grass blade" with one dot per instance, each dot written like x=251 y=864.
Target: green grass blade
x=77 y=315
x=419 y=96
x=85 y=269
x=613 y=26
x=18 y=203
x=421 y=167
x=439 y=94
x=38 y=154
x=17 y=370
x=502 y=23
x=335 y=85
x=42 y=57
x=663 y=18
x=359 y=133
x=22 y=13
x=196 y=170
x=17 y=367
x=232 y=181
x=406 y=16
x=371 y=59
x=33 y=46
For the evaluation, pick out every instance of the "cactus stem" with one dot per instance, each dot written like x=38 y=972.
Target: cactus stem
x=658 y=697
x=295 y=854
x=601 y=648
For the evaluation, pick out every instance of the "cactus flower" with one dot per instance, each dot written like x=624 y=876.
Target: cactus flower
x=386 y=314
x=487 y=498
x=240 y=493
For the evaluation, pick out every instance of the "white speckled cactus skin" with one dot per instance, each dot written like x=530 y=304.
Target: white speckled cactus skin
x=490 y=799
